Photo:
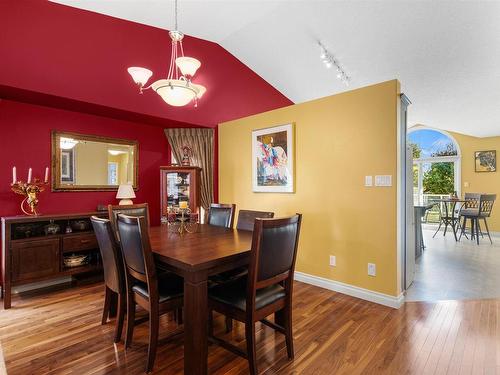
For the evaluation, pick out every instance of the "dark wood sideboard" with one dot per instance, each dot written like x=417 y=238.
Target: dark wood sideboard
x=30 y=254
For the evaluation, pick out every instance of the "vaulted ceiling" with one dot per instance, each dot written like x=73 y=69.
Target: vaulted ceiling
x=445 y=53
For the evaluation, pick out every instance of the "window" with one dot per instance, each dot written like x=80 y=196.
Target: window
x=436 y=165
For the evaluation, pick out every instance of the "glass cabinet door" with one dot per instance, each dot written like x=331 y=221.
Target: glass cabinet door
x=178 y=188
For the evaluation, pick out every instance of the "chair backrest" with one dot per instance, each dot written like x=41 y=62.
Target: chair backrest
x=221 y=215
x=273 y=254
x=246 y=218
x=112 y=261
x=471 y=204
x=486 y=204
x=129 y=210
x=136 y=248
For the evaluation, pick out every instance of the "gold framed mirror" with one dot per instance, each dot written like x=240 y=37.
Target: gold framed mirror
x=83 y=162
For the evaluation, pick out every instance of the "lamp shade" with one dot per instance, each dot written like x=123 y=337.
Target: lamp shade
x=125 y=191
x=187 y=65
x=140 y=75
x=175 y=92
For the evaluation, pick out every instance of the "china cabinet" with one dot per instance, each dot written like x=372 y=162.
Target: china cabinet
x=179 y=184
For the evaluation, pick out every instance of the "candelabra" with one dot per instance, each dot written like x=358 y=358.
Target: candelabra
x=30 y=191
x=187 y=222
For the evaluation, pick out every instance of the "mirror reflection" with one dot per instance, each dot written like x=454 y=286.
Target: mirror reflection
x=93 y=163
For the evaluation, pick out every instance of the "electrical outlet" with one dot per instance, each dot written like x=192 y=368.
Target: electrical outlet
x=372 y=269
x=333 y=260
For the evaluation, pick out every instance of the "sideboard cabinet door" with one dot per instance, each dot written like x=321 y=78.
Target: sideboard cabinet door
x=35 y=259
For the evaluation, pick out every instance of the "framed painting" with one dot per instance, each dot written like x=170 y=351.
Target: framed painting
x=485 y=161
x=68 y=166
x=273 y=159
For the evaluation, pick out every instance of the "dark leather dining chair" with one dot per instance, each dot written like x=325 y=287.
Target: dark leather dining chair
x=221 y=215
x=114 y=275
x=267 y=289
x=246 y=221
x=130 y=210
x=246 y=218
x=142 y=283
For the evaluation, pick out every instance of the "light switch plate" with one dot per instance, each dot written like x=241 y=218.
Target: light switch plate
x=383 y=180
x=368 y=180
x=333 y=260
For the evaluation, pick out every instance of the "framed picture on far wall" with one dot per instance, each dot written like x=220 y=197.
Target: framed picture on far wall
x=273 y=159
x=485 y=161
x=68 y=166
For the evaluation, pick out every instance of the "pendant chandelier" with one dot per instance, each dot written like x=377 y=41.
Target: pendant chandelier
x=177 y=89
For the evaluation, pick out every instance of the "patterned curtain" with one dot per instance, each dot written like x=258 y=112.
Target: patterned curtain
x=201 y=142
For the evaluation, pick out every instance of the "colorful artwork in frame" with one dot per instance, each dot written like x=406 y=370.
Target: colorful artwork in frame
x=485 y=161
x=273 y=159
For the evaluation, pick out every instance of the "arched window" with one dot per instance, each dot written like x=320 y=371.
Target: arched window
x=436 y=164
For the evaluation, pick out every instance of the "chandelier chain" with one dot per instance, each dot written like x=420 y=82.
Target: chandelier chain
x=175 y=12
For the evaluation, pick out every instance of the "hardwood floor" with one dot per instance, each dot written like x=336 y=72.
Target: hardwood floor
x=60 y=333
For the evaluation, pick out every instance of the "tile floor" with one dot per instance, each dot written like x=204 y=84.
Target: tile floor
x=450 y=270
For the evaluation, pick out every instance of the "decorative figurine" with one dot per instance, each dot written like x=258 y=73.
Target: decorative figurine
x=187 y=152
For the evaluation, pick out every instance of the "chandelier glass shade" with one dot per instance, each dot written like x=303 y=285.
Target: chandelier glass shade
x=176 y=89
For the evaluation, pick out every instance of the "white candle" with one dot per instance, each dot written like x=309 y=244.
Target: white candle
x=29 y=175
x=47 y=174
x=14 y=175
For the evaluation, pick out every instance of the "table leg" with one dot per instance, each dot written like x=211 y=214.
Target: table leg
x=195 y=327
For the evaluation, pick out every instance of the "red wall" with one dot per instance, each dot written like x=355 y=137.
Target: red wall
x=25 y=141
x=71 y=53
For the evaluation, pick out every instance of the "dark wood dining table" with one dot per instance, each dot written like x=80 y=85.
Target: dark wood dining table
x=195 y=257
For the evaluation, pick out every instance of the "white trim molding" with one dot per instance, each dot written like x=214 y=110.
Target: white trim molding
x=351 y=290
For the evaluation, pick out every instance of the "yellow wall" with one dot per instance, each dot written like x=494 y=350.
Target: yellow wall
x=483 y=182
x=339 y=140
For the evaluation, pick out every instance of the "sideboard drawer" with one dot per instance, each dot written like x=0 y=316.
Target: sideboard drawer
x=86 y=241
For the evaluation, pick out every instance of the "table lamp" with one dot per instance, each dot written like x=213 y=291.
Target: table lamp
x=125 y=193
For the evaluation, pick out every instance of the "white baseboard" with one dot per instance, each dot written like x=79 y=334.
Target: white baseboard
x=351 y=290
x=39 y=285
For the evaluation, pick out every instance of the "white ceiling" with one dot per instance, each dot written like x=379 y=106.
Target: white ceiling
x=445 y=53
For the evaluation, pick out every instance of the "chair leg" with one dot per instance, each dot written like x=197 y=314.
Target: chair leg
x=178 y=315
x=251 y=351
x=210 y=323
x=476 y=222
x=454 y=226
x=440 y=223
x=107 y=302
x=462 y=232
x=487 y=230
x=122 y=306
x=288 y=331
x=113 y=304
x=154 y=326
x=130 y=320
x=229 y=324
